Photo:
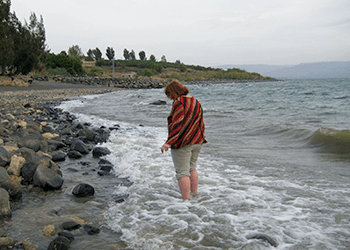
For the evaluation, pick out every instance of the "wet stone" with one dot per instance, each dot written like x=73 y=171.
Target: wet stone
x=70 y=225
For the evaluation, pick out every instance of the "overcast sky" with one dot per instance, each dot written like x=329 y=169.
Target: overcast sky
x=199 y=32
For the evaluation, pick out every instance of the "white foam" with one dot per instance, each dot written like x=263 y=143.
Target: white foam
x=233 y=201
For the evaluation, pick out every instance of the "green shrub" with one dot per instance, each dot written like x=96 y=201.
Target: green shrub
x=95 y=71
x=149 y=72
x=72 y=64
x=58 y=72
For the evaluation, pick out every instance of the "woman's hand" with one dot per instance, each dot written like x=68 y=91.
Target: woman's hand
x=165 y=147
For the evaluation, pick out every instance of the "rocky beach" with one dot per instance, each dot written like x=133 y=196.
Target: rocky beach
x=54 y=184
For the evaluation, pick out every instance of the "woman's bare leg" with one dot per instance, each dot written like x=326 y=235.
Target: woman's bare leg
x=185 y=185
x=194 y=181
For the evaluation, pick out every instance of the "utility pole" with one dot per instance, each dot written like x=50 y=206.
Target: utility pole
x=113 y=68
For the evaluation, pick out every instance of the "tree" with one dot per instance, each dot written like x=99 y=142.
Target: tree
x=97 y=54
x=152 y=58
x=75 y=50
x=110 y=53
x=126 y=54
x=21 y=46
x=163 y=59
x=142 y=55
x=90 y=55
x=132 y=55
x=7 y=52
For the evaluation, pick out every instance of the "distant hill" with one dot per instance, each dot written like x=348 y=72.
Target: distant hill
x=300 y=71
x=258 y=68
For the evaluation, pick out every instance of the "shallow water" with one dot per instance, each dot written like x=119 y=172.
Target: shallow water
x=276 y=164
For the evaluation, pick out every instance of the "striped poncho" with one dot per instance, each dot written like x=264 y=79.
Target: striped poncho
x=185 y=123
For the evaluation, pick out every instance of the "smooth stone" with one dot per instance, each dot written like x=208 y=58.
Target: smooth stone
x=5 y=209
x=47 y=178
x=80 y=146
x=5 y=157
x=97 y=152
x=83 y=190
x=91 y=230
x=70 y=225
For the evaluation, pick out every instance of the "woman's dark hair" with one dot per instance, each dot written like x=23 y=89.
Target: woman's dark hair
x=175 y=89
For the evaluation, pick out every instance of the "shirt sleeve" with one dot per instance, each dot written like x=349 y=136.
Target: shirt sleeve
x=175 y=122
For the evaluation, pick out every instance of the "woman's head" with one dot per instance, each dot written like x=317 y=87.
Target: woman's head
x=175 y=89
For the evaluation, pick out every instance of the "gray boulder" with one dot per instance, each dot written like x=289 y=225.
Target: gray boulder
x=74 y=155
x=28 y=171
x=14 y=189
x=26 y=153
x=80 y=146
x=32 y=141
x=5 y=157
x=5 y=209
x=70 y=225
x=66 y=131
x=55 y=144
x=59 y=243
x=4 y=177
x=83 y=190
x=100 y=151
x=88 y=134
x=47 y=178
x=91 y=230
x=58 y=156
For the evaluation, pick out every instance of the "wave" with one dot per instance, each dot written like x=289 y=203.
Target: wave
x=331 y=140
x=325 y=140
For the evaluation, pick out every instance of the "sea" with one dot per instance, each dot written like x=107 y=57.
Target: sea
x=275 y=173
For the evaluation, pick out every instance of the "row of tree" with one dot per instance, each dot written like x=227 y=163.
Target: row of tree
x=96 y=54
x=22 y=47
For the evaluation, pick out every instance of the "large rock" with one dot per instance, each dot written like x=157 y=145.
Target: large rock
x=11 y=148
x=15 y=165
x=100 y=151
x=66 y=234
x=66 y=131
x=74 y=155
x=83 y=190
x=32 y=141
x=13 y=188
x=87 y=134
x=47 y=178
x=4 y=177
x=5 y=157
x=70 y=225
x=54 y=144
x=91 y=230
x=60 y=243
x=28 y=171
x=58 y=156
x=5 y=209
x=80 y=146
x=27 y=153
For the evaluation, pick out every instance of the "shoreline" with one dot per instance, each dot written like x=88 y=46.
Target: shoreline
x=33 y=108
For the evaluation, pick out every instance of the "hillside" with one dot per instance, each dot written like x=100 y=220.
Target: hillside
x=301 y=71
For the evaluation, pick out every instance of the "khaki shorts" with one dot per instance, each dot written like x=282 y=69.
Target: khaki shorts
x=185 y=159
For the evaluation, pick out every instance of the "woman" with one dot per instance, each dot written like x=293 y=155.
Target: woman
x=186 y=136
